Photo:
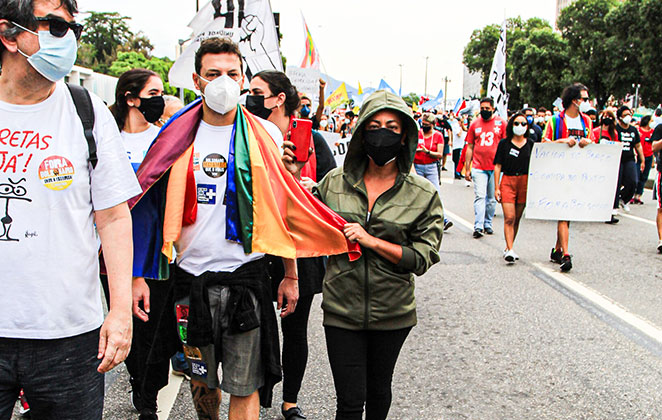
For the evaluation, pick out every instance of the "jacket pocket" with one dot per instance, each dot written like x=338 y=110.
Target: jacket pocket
x=391 y=294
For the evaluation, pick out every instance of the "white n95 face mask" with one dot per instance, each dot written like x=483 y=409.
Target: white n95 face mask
x=221 y=94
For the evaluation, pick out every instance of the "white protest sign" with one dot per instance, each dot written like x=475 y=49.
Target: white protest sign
x=250 y=24
x=307 y=81
x=575 y=184
x=337 y=145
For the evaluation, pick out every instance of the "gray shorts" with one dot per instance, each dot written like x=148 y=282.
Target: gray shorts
x=241 y=361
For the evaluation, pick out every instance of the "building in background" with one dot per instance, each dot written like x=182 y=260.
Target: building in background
x=100 y=84
x=471 y=84
x=560 y=5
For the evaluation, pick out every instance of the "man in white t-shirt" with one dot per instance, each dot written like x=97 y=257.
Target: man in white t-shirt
x=54 y=341
x=212 y=271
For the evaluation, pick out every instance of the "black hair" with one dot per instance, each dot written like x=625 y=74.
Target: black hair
x=22 y=12
x=658 y=112
x=509 y=127
x=645 y=120
x=542 y=109
x=129 y=85
x=621 y=110
x=279 y=83
x=525 y=110
x=591 y=111
x=217 y=45
x=572 y=92
x=489 y=100
x=611 y=128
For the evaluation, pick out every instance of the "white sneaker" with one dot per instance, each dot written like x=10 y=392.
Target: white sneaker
x=467 y=183
x=659 y=247
x=510 y=256
x=515 y=255
x=625 y=206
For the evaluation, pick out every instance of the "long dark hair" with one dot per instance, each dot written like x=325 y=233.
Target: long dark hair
x=279 y=83
x=611 y=128
x=129 y=85
x=511 y=121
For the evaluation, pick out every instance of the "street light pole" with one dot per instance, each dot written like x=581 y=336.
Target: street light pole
x=400 y=92
x=197 y=5
x=426 y=76
x=446 y=81
x=636 y=95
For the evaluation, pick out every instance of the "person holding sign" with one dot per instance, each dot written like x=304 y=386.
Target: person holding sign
x=571 y=127
x=482 y=140
x=512 y=160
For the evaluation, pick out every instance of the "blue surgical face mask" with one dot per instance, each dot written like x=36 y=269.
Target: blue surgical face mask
x=56 y=56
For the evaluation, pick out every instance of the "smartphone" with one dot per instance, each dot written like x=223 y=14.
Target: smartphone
x=301 y=135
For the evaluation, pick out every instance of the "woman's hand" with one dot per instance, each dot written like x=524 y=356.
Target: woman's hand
x=308 y=183
x=289 y=159
x=497 y=194
x=355 y=233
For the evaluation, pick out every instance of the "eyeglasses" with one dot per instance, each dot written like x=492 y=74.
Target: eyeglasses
x=586 y=99
x=57 y=27
x=517 y=124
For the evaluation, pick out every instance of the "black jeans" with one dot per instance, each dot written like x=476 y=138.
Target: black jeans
x=643 y=176
x=457 y=153
x=59 y=377
x=628 y=176
x=295 y=348
x=362 y=363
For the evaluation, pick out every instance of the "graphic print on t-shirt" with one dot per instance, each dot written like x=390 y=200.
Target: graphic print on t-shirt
x=207 y=194
x=215 y=165
x=56 y=173
x=10 y=191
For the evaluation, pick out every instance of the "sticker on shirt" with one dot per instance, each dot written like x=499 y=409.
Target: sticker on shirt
x=479 y=130
x=56 y=173
x=196 y=161
x=514 y=152
x=199 y=369
x=207 y=194
x=214 y=165
x=11 y=191
x=192 y=353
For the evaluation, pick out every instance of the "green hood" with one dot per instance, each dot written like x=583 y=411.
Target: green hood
x=356 y=159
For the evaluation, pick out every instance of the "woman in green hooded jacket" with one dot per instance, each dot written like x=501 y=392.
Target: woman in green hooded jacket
x=397 y=218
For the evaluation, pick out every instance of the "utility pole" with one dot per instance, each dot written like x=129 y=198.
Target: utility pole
x=197 y=5
x=636 y=96
x=446 y=82
x=400 y=92
x=426 y=76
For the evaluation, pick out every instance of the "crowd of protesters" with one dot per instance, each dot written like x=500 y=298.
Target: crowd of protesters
x=82 y=171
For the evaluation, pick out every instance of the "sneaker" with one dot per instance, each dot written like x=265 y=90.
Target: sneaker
x=556 y=256
x=179 y=366
x=625 y=206
x=489 y=231
x=515 y=255
x=23 y=407
x=148 y=414
x=613 y=220
x=566 y=264
x=443 y=168
x=447 y=225
x=659 y=247
x=478 y=233
x=293 y=413
x=509 y=256
x=467 y=183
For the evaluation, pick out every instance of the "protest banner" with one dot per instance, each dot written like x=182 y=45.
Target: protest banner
x=337 y=145
x=250 y=24
x=575 y=184
x=307 y=81
x=337 y=98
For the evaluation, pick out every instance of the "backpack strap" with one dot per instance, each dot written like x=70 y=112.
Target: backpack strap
x=85 y=110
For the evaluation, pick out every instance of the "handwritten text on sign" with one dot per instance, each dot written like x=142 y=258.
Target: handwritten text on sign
x=337 y=145
x=572 y=183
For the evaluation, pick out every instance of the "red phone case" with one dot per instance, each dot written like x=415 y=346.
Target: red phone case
x=301 y=135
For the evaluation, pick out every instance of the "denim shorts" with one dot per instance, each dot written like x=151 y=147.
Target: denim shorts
x=241 y=361
x=59 y=377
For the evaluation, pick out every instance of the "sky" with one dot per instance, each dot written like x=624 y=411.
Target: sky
x=358 y=40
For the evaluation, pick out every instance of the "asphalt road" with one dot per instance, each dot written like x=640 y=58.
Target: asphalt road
x=511 y=342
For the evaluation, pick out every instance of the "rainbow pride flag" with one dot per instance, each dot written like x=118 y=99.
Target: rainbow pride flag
x=267 y=210
x=311 y=57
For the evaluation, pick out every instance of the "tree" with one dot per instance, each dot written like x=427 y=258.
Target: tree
x=412 y=98
x=595 y=53
x=105 y=32
x=138 y=43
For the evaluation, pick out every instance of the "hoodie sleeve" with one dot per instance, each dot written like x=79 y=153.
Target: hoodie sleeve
x=425 y=239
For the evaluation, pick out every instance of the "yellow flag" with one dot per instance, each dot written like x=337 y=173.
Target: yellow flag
x=414 y=107
x=337 y=98
x=356 y=110
x=360 y=89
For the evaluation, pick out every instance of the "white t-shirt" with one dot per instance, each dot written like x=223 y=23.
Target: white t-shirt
x=202 y=246
x=137 y=144
x=458 y=135
x=48 y=246
x=575 y=126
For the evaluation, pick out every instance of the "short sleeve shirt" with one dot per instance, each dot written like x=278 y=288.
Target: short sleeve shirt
x=430 y=143
x=485 y=136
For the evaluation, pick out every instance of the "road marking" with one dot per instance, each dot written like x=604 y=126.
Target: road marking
x=639 y=219
x=459 y=220
x=168 y=395
x=614 y=309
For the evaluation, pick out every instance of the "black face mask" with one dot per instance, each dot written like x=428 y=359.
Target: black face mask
x=152 y=108
x=427 y=129
x=486 y=115
x=255 y=105
x=607 y=121
x=382 y=145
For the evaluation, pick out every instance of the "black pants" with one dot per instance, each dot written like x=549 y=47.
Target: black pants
x=457 y=153
x=628 y=176
x=362 y=363
x=295 y=348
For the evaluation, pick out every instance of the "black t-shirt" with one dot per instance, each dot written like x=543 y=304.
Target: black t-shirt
x=629 y=137
x=513 y=160
x=657 y=135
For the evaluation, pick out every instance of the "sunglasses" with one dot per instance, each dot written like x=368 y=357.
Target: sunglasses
x=59 y=27
x=517 y=124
